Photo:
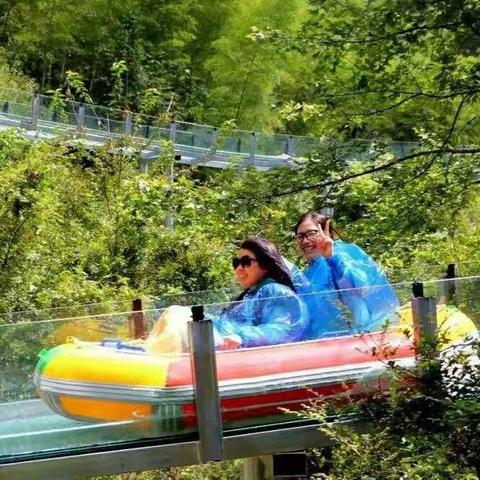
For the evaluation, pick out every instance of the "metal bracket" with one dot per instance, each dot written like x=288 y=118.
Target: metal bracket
x=424 y=312
x=207 y=398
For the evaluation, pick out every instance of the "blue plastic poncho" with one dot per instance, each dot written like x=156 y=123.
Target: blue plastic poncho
x=269 y=314
x=372 y=301
x=325 y=316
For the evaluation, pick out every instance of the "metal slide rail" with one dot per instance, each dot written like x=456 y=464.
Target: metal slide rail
x=169 y=455
x=44 y=117
x=211 y=443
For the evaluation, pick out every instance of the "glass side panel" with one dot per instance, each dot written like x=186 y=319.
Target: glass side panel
x=152 y=132
x=78 y=311
x=340 y=354
x=86 y=382
x=271 y=145
x=98 y=380
x=15 y=110
x=461 y=294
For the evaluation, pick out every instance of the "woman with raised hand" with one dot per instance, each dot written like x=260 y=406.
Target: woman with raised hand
x=336 y=265
x=268 y=311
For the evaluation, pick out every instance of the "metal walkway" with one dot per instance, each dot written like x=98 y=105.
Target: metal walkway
x=44 y=117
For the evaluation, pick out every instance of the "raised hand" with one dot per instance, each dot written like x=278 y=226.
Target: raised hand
x=324 y=241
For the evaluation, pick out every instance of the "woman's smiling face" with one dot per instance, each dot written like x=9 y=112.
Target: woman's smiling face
x=248 y=276
x=308 y=244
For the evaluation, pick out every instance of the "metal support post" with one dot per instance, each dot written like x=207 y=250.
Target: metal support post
x=81 y=117
x=449 y=287
x=424 y=312
x=214 y=138
x=128 y=123
x=289 y=146
x=138 y=324
x=143 y=165
x=213 y=144
x=173 y=131
x=35 y=112
x=207 y=398
x=253 y=148
x=171 y=172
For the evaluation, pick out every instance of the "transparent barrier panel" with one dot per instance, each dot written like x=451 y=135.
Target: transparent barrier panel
x=201 y=297
x=277 y=354
x=78 y=311
x=79 y=383
x=272 y=145
x=153 y=132
x=456 y=294
x=16 y=110
x=95 y=381
x=238 y=142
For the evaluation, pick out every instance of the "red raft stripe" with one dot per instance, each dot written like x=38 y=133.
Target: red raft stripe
x=268 y=404
x=296 y=357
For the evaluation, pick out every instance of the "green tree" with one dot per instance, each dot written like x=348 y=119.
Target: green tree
x=246 y=70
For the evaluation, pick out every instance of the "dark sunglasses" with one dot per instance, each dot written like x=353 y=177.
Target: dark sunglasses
x=244 y=261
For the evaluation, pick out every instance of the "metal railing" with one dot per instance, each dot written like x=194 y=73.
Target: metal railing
x=194 y=143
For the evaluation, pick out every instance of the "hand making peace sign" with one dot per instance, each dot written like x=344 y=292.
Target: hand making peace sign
x=324 y=241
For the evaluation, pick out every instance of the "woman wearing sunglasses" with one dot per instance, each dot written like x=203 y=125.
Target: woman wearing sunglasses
x=339 y=267
x=268 y=311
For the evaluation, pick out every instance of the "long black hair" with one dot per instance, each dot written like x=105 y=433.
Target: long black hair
x=268 y=258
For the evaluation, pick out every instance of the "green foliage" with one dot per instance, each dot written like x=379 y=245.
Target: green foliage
x=119 y=71
x=82 y=226
x=388 y=69
x=424 y=426
x=11 y=78
x=231 y=470
x=75 y=87
x=246 y=70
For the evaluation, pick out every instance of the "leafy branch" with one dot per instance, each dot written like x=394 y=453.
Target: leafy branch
x=375 y=169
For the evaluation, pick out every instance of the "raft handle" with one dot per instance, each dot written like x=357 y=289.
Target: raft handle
x=120 y=345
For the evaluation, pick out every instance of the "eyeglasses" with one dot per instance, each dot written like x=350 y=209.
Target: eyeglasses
x=244 y=261
x=308 y=235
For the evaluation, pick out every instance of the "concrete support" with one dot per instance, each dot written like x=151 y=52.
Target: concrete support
x=81 y=117
x=258 y=468
x=128 y=123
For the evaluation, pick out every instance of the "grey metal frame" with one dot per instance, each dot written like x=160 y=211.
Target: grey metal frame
x=207 y=397
x=163 y=456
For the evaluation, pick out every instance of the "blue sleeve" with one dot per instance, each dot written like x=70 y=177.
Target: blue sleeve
x=323 y=302
x=299 y=280
x=275 y=315
x=353 y=268
x=374 y=300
